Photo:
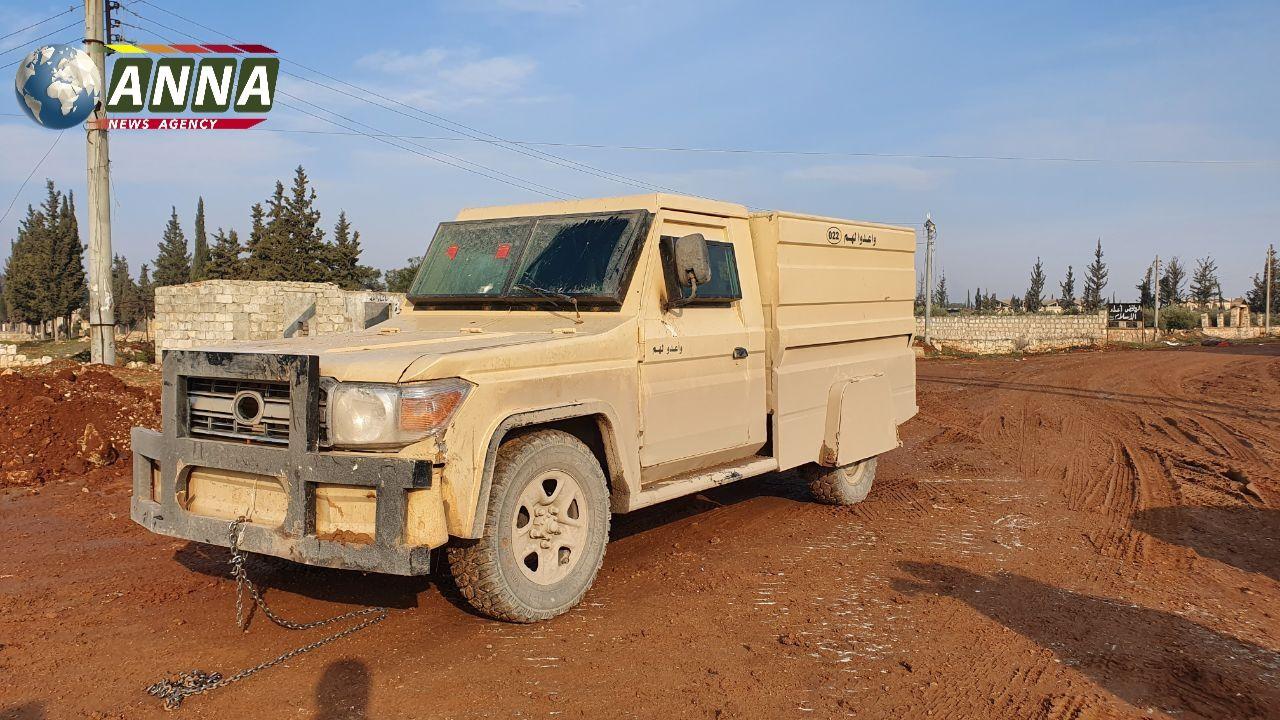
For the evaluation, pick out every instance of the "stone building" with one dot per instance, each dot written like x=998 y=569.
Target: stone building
x=217 y=311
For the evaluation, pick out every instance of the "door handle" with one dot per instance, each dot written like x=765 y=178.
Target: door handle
x=739 y=353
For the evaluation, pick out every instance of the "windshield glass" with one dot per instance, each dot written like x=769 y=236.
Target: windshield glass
x=584 y=256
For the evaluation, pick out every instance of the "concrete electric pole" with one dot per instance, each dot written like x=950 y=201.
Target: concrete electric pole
x=1271 y=261
x=102 y=316
x=1155 y=280
x=930 y=232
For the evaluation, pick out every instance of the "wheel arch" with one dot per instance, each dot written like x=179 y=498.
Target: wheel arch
x=594 y=423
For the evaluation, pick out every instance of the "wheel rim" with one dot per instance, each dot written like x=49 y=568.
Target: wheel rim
x=549 y=527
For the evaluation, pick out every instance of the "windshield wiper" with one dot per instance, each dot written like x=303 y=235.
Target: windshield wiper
x=553 y=296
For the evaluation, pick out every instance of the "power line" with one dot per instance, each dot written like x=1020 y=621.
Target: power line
x=30 y=175
x=39 y=23
x=379 y=135
x=471 y=132
x=820 y=153
x=28 y=43
x=497 y=140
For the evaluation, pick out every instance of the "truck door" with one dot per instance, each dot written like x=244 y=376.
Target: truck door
x=702 y=381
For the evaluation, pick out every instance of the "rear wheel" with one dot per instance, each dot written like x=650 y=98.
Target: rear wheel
x=843 y=485
x=545 y=531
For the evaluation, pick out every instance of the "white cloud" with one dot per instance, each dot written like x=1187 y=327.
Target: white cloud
x=898 y=177
x=442 y=78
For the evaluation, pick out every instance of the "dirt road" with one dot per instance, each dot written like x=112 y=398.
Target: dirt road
x=1073 y=536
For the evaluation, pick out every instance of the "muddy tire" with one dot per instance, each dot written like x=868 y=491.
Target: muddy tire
x=545 y=531
x=843 y=485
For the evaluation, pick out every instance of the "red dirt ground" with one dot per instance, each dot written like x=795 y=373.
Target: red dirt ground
x=1087 y=535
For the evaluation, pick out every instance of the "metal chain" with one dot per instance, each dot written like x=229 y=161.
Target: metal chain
x=195 y=682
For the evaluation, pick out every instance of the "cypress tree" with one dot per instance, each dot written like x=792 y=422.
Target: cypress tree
x=1095 y=279
x=146 y=293
x=1034 y=299
x=224 y=257
x=200 y=249
x=940 y=295
x=73 y=287
x=125 y=292
x=173 y=263
x=1068 y=287
x=344 y=265
x=29 y=285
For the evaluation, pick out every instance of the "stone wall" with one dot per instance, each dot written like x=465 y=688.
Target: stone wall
x=216 y=311
x=11 y=358
x=990 y=334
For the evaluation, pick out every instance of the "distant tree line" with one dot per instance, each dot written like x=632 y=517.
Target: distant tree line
x=1177 y=286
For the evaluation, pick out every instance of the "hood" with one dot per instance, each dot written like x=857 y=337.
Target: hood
x=384 y=353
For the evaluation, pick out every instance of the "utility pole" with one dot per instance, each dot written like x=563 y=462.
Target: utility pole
x=102 y=316
x=1155 y=280
x=930 y=231
x=1271 y=260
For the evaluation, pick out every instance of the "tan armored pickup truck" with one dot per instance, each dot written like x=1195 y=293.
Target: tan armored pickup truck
x=554 y=364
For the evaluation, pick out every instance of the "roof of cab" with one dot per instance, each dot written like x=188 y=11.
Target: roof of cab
x=651 y=202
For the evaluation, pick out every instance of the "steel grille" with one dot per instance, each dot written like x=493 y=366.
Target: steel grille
x=210 y=409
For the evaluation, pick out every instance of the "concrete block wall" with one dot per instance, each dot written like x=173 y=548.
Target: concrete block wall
x=991 y=334
x=217 y=311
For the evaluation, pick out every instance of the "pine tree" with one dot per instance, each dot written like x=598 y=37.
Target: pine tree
x=1146 y=297
x=257 y=228
x=1095 y=279
x=977 y=300
x=1068 y=287
x=1034 y=299
x=1204 y=282
x=1257 y=295
x=173 y=263
x=224 y=257
x=1171 y=283
x=344 y=265
x=200 y=249
x=940 y=295
x=399 y=279
x=292 y=244
x=1015 y=303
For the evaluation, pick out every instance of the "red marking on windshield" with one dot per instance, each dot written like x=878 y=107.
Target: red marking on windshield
x=452 y=252
x=503 y=251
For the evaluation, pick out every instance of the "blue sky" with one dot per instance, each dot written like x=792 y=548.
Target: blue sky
x=1136 y=80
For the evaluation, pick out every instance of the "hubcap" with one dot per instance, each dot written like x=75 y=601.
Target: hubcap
x=549 y=527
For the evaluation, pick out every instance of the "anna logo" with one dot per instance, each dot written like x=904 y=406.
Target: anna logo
x=198 y=79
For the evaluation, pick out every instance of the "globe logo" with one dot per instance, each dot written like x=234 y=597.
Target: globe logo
x=57 y=86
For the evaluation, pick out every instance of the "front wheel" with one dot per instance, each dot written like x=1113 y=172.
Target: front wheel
x=843 y=485
x=545 y=531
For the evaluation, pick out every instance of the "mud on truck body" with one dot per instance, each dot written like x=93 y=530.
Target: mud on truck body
x=553 y=364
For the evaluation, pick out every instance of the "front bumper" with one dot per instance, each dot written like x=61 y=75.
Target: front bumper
x=299 y=467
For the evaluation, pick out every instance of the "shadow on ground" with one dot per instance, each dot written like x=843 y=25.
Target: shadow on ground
x=1148 y=658
x=1245 y=537
x=25 y=711
x=342 y=693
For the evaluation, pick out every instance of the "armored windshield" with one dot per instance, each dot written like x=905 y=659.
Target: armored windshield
x=587 y=257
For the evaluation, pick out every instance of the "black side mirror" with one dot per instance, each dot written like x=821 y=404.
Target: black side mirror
x=693 y=264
